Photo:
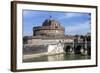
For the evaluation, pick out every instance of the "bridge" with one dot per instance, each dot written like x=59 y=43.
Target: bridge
x=78 y=48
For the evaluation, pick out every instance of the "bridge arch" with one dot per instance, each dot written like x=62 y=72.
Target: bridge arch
x=79 y=49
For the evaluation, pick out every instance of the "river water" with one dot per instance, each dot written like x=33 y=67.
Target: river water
x=59 y=57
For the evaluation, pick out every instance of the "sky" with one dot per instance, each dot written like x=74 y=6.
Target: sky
x=75 y=23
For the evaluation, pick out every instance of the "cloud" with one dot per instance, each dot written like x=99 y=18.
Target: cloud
x=71 y=15
x=80 y=28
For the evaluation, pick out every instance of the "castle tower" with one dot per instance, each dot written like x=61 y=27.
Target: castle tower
x=50 y=27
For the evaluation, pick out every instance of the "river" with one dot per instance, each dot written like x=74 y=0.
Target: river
x=59 y=57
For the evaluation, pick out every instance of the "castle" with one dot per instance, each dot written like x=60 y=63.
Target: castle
x=50 y=39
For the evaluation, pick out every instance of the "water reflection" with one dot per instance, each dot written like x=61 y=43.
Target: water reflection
x=58 y=57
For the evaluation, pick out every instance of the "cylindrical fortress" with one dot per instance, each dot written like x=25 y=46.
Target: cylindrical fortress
x=49 y=27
